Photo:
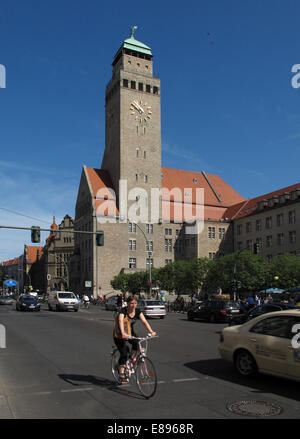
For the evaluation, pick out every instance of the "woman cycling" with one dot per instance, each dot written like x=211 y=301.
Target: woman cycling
x=125 y=321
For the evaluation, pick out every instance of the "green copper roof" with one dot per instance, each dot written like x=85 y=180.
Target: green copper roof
x=133 y=44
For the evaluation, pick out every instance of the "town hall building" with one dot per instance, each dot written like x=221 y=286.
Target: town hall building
x=139 y=205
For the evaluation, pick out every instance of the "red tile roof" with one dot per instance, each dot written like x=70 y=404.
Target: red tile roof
x=31 y=253
x=250 y=206
x=218 y=195
x=10 y=262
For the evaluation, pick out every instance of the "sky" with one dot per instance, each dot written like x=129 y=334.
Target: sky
x=227 y=98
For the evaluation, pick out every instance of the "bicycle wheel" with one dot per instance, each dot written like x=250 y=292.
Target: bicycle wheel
x=115 y=365
x=146 y=378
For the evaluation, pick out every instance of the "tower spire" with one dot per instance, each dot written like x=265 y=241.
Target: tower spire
x=132 y=29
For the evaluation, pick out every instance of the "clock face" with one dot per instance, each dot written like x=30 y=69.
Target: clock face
x=141 y=110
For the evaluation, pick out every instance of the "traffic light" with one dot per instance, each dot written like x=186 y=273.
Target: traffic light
x=35 y=234
x=100 y=238
x=256 y=249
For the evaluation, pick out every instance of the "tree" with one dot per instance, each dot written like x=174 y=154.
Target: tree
x=120 y=282
x=287 y=268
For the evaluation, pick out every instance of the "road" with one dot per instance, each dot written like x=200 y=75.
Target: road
x=57 y=366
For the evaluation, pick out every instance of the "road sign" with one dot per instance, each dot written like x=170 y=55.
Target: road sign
x=88 y=284
x=11 y=283
x=48 y=276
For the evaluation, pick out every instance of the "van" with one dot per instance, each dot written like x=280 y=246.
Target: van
x=62 y=301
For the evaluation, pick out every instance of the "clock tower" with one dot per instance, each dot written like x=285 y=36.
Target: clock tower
x=133 y=120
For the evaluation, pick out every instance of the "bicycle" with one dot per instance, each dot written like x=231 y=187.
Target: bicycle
x=142 y=368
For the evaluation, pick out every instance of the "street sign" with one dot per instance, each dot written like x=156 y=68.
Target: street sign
x=88 y=284
x=11 y=283
x=48 y=276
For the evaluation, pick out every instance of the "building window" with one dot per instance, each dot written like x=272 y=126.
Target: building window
x=168 y=231
x=168 y=245
x=280 y=219
x=149 y=228
x=248 y=227
x=249 y=244
x=155 y=90
x=269 y=241
x=292 y=217
x=239 y=245
x=212 y=255
x=168 y=261
x=132 y=262
x=239 y=229
x=221 y=233
x=125 y=83
x=280 y=238
x=145 y=154
x=149 y=246
x=145 y=178
x=141 y=86
x=268 y=222
x=131 y=227
x=137 y=151
x=133 y=84
x=148 y=88
x=211 y=233
x=136 y=177
x=292 y=237
x=132 y=244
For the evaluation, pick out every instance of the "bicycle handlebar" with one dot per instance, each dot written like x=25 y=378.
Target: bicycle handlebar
x=142 y=338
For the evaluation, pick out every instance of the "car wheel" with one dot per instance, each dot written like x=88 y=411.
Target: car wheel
x=57 y=308
x=245 y=363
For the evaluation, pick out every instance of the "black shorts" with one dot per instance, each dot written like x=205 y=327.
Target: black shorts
x=123 y=348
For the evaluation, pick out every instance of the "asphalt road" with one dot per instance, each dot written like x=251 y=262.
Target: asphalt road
x=57 y=366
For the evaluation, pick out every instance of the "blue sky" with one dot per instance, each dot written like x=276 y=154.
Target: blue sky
x=228 y=106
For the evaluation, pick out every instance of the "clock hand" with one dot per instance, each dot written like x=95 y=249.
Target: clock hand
x=136 y=105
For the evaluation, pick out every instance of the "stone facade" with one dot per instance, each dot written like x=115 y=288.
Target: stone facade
x=133 y=155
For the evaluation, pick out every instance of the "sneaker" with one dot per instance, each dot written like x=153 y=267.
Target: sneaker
x=123 y=379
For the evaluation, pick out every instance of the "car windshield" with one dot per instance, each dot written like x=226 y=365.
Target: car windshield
x=66 y=296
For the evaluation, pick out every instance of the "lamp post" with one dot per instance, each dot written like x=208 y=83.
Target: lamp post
x=147 y=246
x=66 y=267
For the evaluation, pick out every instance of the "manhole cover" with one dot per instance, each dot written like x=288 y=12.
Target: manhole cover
x=254 y=408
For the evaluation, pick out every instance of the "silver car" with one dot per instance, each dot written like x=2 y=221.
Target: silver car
x=152 y=308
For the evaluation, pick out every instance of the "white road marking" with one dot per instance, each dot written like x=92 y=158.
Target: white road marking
x=185 y=379
x=76 y=390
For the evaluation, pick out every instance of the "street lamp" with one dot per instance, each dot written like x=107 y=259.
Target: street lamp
x=66 y=267
x=148 y=252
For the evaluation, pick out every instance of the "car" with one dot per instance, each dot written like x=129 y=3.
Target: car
x=6 y=300
x=27 y=303
x=62 y=301
x=214 y=310
x=268 y=344
x=152 y=308
x=257 y=311
x=111 y=303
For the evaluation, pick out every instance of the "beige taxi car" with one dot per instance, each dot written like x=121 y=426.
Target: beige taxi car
x=269 y=344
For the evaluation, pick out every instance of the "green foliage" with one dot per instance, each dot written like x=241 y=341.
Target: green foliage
x=240 y=271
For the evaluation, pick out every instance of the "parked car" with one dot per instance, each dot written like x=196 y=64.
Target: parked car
x=6 y=300
x=111 y=303
x=152 y=308
x=62 y=301
x=238 y=319
x=214 y=310
x=268 y=344
x=27 y=303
